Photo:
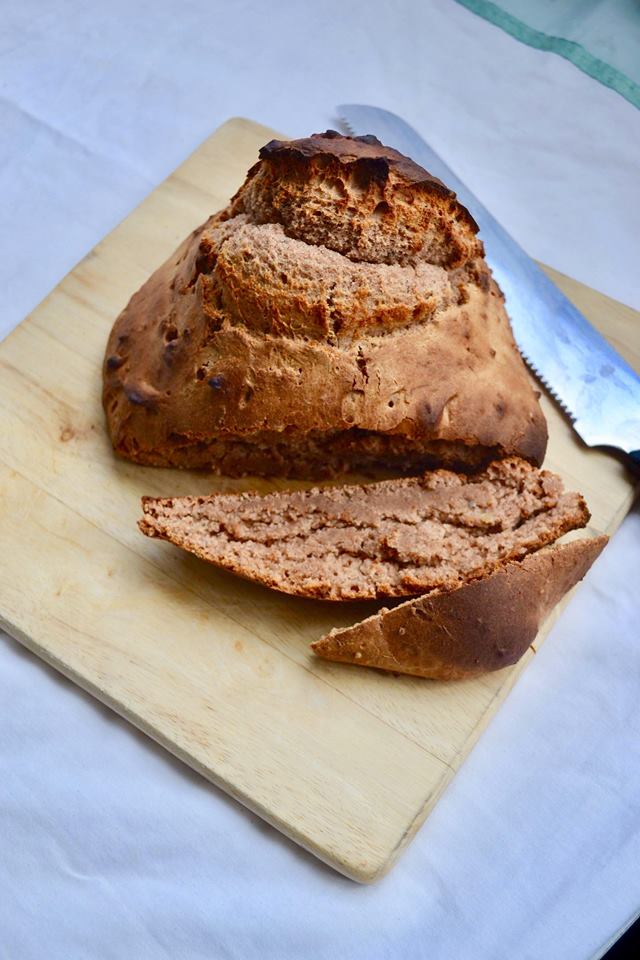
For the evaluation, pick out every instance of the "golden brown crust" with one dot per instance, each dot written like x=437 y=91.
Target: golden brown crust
x=481 y=626
x=253 y=335
x=354 y=195
x=376 y=160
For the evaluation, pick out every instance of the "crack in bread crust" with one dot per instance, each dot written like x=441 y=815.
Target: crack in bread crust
x=360 y=198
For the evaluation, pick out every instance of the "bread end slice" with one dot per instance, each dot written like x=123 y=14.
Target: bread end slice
x=483 y=625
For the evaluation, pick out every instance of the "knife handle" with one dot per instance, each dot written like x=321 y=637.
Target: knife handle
x=635 y=456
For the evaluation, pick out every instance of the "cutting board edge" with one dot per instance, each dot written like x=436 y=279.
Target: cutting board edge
x=355 y=871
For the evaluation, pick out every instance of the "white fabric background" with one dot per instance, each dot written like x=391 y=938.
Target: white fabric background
x=110 y=848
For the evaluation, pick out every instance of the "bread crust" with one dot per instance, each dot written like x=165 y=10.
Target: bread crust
x=359 y=197
x=337 y=339
x=481 y=626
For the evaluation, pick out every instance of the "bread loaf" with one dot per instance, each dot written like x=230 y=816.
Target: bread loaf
x=337 y=314
x=393 y=538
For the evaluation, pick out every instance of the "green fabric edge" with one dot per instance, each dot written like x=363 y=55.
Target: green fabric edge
x=598 y=69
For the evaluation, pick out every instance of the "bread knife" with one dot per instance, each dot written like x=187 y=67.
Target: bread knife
x=595 y=387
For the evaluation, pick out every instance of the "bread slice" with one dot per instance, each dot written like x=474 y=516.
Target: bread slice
x=393 y=538
x=479 y=626
x=338 y=314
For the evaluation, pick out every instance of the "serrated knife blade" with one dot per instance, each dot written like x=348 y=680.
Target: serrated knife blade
x=589 y=379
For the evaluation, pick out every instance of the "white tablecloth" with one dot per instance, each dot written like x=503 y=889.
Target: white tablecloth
x=110 y=848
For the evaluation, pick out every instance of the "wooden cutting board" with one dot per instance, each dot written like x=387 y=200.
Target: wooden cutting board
x=347 y=762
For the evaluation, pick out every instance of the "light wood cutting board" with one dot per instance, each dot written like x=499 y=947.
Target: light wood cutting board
x=346 y=762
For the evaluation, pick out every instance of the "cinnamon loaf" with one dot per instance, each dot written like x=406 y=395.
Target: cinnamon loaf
x=337 y=314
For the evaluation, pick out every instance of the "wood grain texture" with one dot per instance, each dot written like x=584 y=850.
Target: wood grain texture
x=346 y=762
